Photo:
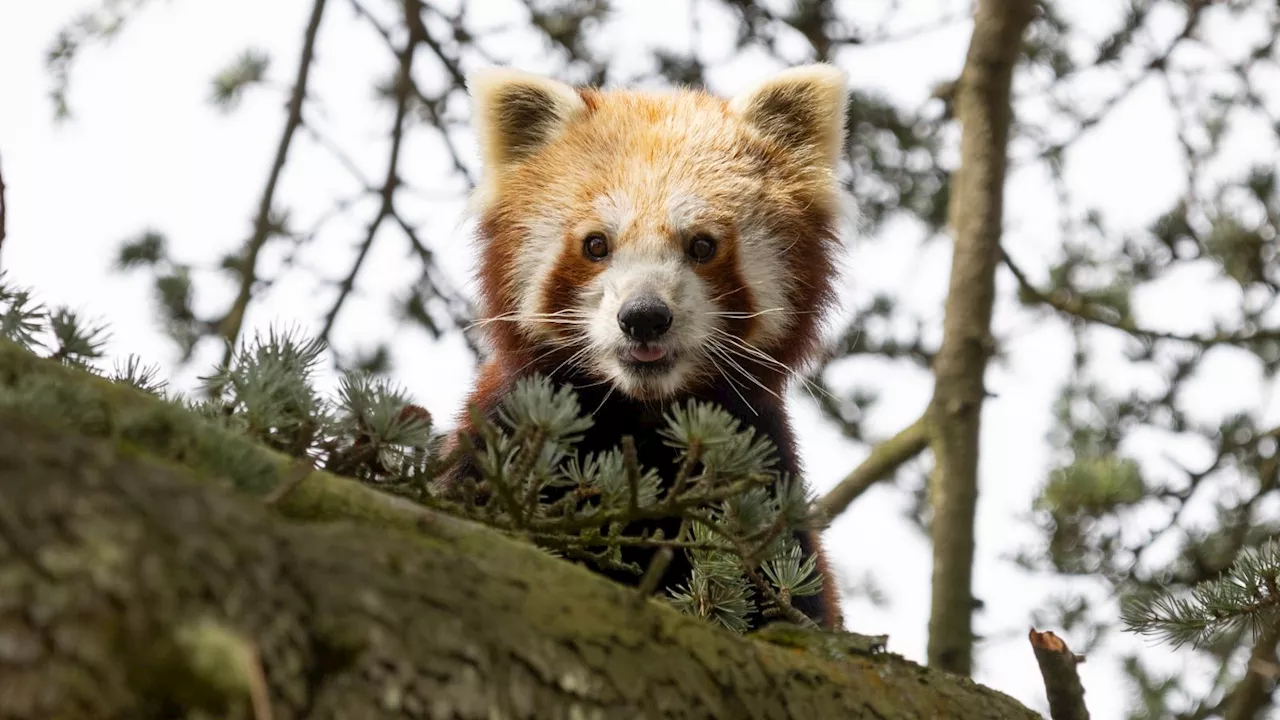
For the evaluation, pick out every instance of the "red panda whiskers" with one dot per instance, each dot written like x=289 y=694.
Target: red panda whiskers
x=729 y=379
x=727 y=355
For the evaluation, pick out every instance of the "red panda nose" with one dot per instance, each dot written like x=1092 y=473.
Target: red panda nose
x=644 y=318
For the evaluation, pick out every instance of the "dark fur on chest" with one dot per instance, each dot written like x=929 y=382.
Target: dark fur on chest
x=616 y=416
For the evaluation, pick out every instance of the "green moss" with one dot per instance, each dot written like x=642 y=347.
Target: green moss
x=63 y=397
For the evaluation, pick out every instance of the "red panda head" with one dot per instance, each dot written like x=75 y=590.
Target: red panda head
x=659 y=242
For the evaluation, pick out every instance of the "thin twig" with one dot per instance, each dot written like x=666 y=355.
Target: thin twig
x=532 y=451
x=4 y=214
x=428 y=105
x=653 y=574
x=259 y=690
x=340 y=155
x=631 y=465
x=691 y=458
x=1061 y=680
x=1081 y=310
x=783 y=606
x=389 y=183
x=362 y=11
x=301 y=470
x=231 y=323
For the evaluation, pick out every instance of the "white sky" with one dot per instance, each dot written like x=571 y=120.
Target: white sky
x=146 y=150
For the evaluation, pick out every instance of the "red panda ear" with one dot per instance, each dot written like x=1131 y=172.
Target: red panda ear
x=802 y=108
x=515 y=113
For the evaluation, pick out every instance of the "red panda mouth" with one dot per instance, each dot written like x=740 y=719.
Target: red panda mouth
x=646 y=359
x=647 y=353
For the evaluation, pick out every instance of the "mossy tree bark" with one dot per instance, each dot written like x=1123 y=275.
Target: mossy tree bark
x=975 y=213
x=142 y=575
x=132 y=591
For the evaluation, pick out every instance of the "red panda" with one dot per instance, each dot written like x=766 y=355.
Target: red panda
x=650 y=247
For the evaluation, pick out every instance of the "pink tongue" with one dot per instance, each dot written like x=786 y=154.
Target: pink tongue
x=647 y=354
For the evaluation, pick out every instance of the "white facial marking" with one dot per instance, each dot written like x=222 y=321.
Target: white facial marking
x=760 y=264
x=658 y=268
x=684 y=209
x=617 y=212
x=543 y=244
x=538 y=254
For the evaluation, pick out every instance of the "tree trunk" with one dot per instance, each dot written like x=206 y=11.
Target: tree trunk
x=1251 y=697
x=976 y=209
x=130 y=589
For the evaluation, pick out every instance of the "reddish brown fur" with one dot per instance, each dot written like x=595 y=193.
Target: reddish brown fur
x=636 y=141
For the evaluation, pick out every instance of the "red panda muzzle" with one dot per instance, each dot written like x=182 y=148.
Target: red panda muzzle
x=645 y=318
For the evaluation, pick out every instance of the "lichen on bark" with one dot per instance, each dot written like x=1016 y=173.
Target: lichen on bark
x=141 y=578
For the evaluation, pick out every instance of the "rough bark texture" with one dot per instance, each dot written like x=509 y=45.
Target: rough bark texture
x=976 y=209
x=110 y=561
x=143 y=576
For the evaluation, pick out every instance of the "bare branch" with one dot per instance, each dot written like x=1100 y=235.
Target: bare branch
x=884 y=459
x=4 y=214
x=230 y=325
x=1077 y=308
x=392 y=179
x=1061 y=680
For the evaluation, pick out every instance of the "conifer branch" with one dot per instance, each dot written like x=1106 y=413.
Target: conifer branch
x=776 y=600
x=1246 y=598
x=533 y=446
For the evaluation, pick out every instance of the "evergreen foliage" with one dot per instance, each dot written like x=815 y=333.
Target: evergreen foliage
x=739 y=515
x=1246 y=598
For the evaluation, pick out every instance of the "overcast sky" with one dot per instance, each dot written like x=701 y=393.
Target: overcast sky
x=145 y=150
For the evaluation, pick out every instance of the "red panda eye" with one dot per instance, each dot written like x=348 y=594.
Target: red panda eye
x=595 y=246
x=702 y=248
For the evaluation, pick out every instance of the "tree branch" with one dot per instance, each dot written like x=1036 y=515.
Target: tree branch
x=1061 y=680
x=885 y=458
x=4 y=215
x=1253 y=693
x=460 y=308
x=1077 y=308
x=230 y=325
x=156 y=572
x=975 y=214
x=387 y=192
